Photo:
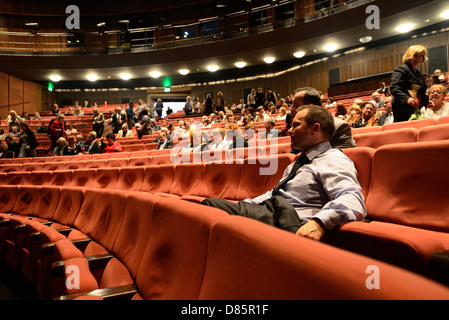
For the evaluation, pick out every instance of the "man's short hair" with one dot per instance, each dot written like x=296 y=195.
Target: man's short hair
x=92 y=135
x=270 y=120
x=311 y=96
x=318 y=114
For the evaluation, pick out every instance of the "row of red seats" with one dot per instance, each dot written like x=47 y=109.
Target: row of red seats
x=379 y=138
x=142 y=158
x=194 y=181
x=96 y=244
x=380 y=172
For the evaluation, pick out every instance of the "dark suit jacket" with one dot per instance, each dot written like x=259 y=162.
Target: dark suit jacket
x=7 y=154
x=168 y=145
x=402 y=80
x=382 y=118
x=342 y=137
x=94 y=148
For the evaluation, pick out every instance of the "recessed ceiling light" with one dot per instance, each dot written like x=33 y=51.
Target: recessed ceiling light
x=55 y=78
x=331 y=47
x=92 y=77
x=269 y=59
x=366 y=39
x=184 y=71
x=299 y=54
x=240 y=64
x=155 y=74
x=445 y=14
x=125 y=76
x=404 y=28
x=212 y=67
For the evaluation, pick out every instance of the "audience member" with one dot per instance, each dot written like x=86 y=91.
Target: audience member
x=408 y=85
x=27 y=142
x=220 y=141
x=111 y=146
x=117 y=120
x=251 y=99
x=342 y=136
x=5 y=152
x=56 y=130
x=71 y=148
x=270 y=96
x=13 y=120
x=164 y=141
x=130 y=117
x=125 y=132
x=270 y=131
x=261 y=115
x=58 y=150
x=98 y=122
x=92 y=145
x=387 y=117
x=12 y=145
x=437 y=106
x=367 y=118
x=159 y=107
x=310 y=200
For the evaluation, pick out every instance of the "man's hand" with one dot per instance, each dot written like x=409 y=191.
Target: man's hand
x=312 y=229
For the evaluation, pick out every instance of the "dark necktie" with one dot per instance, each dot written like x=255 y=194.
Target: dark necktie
x=302 y=160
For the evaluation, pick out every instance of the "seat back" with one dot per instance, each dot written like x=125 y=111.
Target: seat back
x=363 y=160
x=408 y=185
x=174 y=261
x=418 y=124
x=377 y=139
x=248 y=260
x=434 y=133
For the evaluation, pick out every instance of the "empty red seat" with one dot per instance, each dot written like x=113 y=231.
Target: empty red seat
x=377 y=139
x=418 y=124
x=247 y=253
x=434 y=133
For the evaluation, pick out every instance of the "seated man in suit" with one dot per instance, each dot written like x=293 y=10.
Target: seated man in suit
x=92 y=145
x=387 y=117
x=5 y=152
x=270 y=131
x=342 y=137
x=317 y=193
x=164 y=142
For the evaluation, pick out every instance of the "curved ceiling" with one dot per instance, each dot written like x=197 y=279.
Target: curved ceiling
x=344 y=28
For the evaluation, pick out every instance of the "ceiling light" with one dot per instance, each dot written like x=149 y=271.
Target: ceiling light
x=240 y=64
x=269 y=59
x=299 y=54
x=55 y=78
x=184 y=71
x=212 y=67
x=331 y=47
x=366 y=39
x=445 y=14
x=404 y=28
x=155 y=74
x=92 y=77
x=125 y=76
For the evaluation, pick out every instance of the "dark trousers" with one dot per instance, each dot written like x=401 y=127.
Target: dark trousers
x=276 y=211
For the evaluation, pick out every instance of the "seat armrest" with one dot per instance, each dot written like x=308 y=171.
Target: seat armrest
x=439 y=266
x=115 y=293
x=95 y=262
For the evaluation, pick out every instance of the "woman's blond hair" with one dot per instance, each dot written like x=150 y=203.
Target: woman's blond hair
x=412 y=51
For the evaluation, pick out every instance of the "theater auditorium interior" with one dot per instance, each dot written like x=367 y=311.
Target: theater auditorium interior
x=106 y=215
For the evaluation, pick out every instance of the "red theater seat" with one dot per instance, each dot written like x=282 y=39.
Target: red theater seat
x=377 y=139
x=434 y=133
x=405 y=202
